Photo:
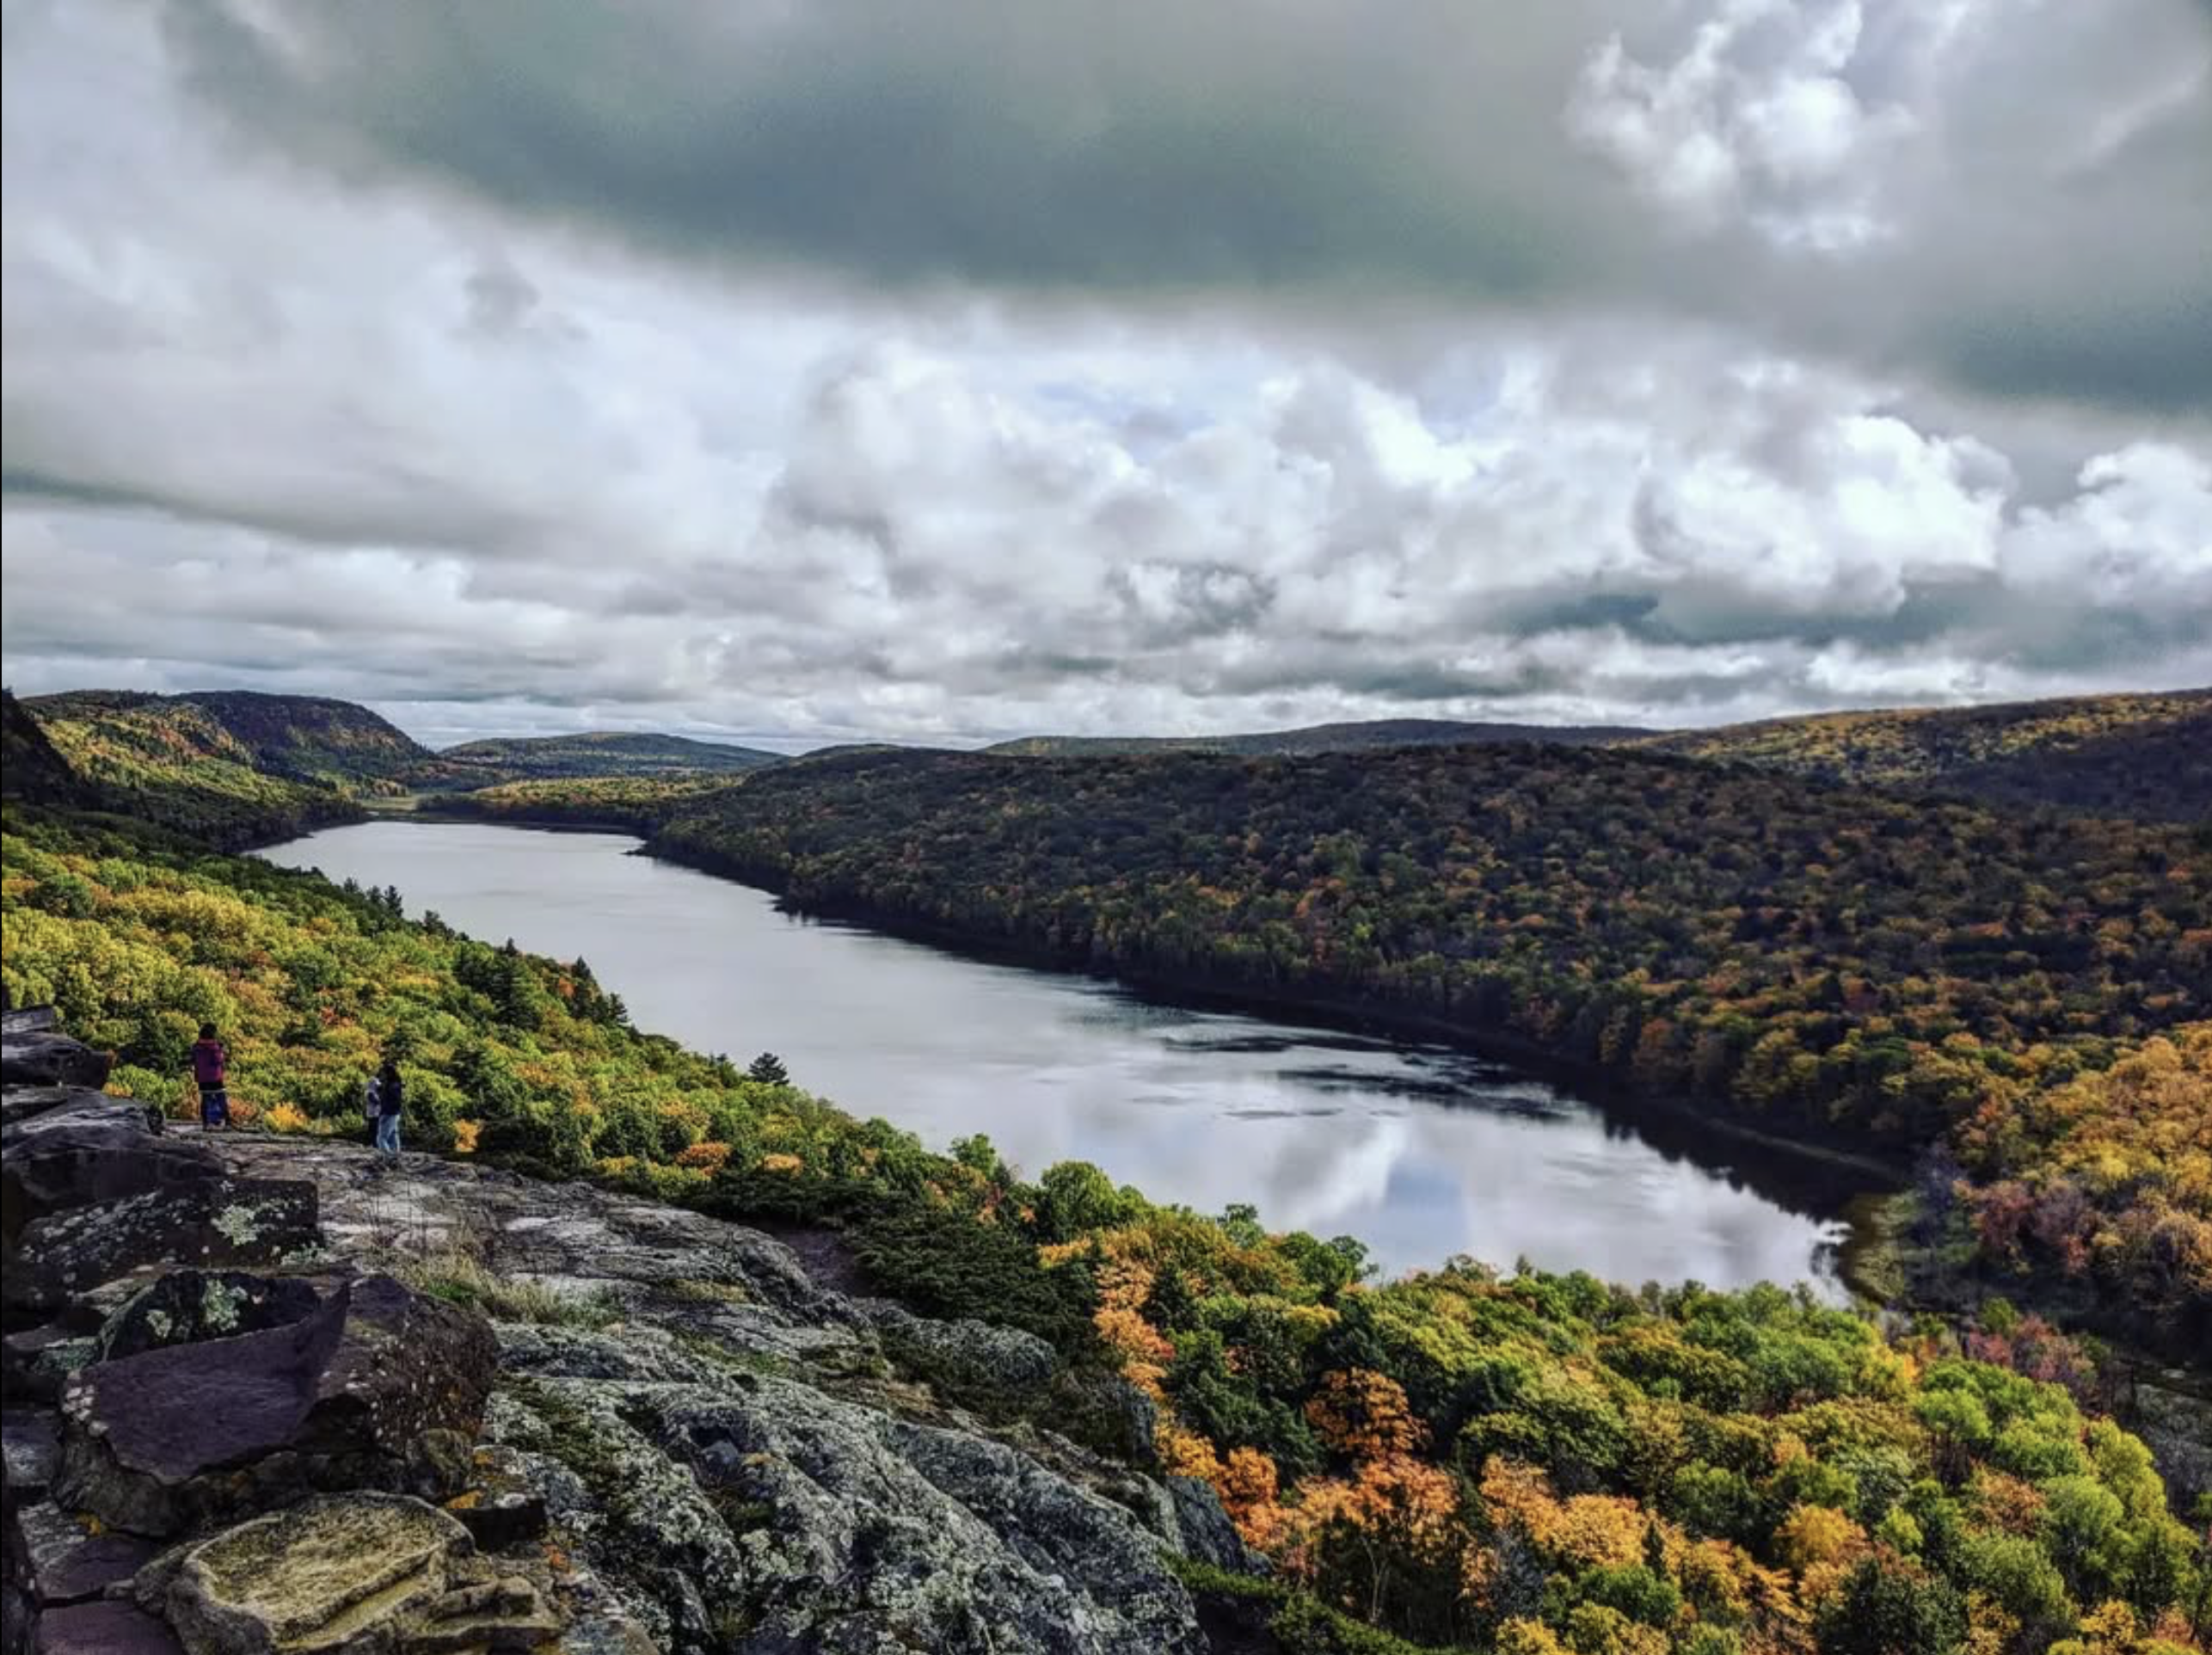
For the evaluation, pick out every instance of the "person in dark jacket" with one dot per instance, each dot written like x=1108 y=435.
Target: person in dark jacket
x=388 y=1095
x=210 y=1063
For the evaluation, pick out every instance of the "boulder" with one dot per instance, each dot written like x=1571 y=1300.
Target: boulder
x=185 y=1307
x=103 y=1629
x=30 y=1444
x=21 y=1104
x=180 y=1435
x=87 y=1151
x=505 y=1614
x=499 y=1507
x=44 y=1058
x=222 y=1221
x=36 y=1361
x=58 y=1559
x=335 y=1574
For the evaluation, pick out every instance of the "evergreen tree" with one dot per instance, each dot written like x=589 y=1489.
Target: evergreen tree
x=768 y=1069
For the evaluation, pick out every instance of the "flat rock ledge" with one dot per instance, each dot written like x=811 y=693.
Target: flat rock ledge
x=268 y=1396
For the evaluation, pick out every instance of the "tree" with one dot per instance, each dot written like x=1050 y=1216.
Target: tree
x=768 y=1070
x=1889 y=1607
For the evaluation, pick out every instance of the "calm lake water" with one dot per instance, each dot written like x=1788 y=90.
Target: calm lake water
x=1421 y=1151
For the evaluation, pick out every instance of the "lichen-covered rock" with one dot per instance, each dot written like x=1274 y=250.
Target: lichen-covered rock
x=1204 y=1529
x=795 y=1520
x=82 y=1149
x=181 y=1434
x=338 y=1575
x=507 y=1613
x=969 y=1355
x=249 y=1222
x=36 y=1363
x=641 y=1518
x=498 y=1503
x=184 y=1307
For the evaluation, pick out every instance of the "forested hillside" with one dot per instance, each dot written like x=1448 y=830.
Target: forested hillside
x=598 y=753
x=238 y=768
x=1813 y=959
x=1354 y=737
x=1527 y=1463
x=231 y=767
x=2121 y=755
x=637 y=803
x=30 y=767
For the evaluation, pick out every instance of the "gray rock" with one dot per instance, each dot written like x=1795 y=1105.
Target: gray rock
x=42 y=1058
x=1204 y=1528
x=731 y=1465
x=20 y=1104
x=104 y=1628
x=507 y=1613
x=30 y=1445
x=504 y=1510
x=18 y=1618
x=861 y=1529
x=967 y=1355
x=181 y=1434
x=88 y=1148
x=37 y=1361
x=640 y=1517
x=224 y=1222
x=58 y=1560
x=184 y=1307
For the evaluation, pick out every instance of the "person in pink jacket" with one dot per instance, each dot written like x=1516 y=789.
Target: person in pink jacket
x=211 y=1062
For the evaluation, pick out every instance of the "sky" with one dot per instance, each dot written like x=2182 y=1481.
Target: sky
x=795 y=372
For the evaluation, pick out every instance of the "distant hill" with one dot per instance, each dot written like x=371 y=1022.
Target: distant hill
x=236 y=767
x=304 y=738
x=229 y=766
x=2144 y=756
x=1353 y=737
x=597 y=753
x=30 y=767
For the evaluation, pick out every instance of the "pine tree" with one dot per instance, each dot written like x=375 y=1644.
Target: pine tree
x=768 y=1070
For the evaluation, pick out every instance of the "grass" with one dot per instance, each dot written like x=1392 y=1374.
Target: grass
x=461 y=1277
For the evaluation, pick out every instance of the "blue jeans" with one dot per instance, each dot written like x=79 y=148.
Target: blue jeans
x=388 y=1135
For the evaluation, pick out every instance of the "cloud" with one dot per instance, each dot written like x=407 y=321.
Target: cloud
x=323 y=376
x=1785 y=159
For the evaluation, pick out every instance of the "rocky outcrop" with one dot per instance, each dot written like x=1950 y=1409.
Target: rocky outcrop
x=33 y=1052
x=91 y=1190
x=666 y=1434
x=182 y=1433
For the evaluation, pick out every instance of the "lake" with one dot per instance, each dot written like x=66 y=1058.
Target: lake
x=1421 y=1150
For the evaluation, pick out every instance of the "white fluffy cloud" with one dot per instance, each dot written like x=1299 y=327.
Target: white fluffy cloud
x=296 y=421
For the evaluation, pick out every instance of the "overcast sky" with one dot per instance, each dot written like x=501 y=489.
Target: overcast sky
x=812 y=371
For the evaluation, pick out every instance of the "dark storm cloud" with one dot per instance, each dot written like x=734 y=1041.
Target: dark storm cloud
x=2024 y=198
x=1091 y=147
